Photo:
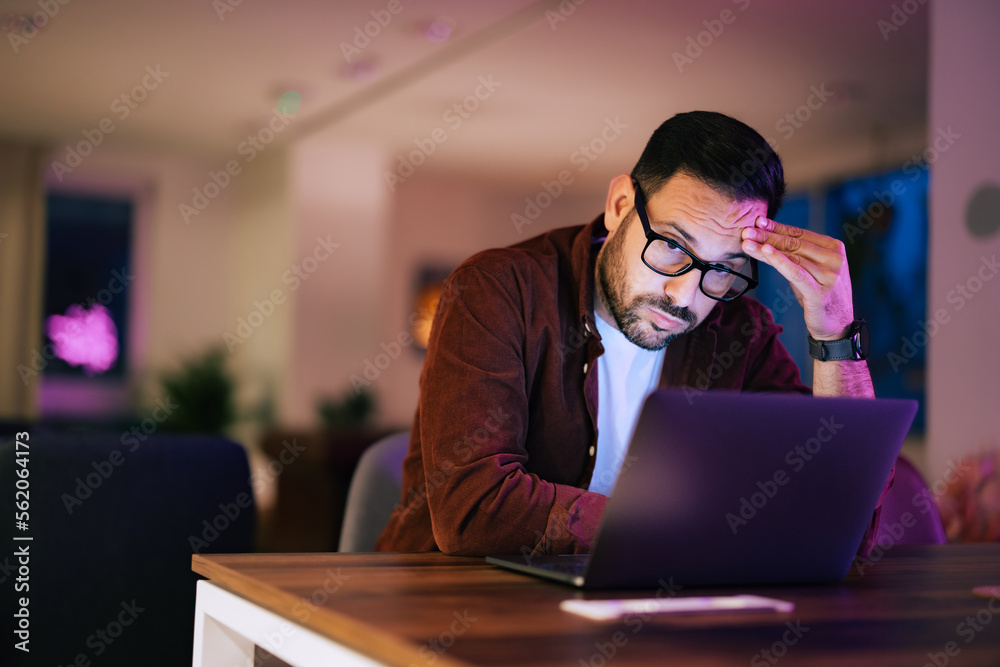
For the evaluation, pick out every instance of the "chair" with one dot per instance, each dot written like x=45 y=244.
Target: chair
x=908 y=486
x=375 y=490
x=114 y=521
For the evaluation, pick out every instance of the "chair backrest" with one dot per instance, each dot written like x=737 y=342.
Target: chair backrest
x=114 y=520
x=909 y=516
x=375 y=491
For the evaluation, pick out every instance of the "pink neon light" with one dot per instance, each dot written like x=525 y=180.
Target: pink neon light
x=85 y=338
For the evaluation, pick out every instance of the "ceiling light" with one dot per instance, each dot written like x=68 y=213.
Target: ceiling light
x=440 y=29
x=362 y=70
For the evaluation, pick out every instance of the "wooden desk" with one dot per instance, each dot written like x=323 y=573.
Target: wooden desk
x=913 y=606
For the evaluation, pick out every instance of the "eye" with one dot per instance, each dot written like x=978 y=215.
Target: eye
x=674 y=246
x=716 y=280
x=735 y=264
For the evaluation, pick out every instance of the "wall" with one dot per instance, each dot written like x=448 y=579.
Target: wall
x=339 y=200
x=438 y=220
x=179 y=290
x=260 y=308
x=964 y=285
x=22 y=256
x=343 y=300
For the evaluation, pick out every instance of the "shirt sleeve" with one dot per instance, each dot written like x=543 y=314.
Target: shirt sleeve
x=473 y=422
x=868 y=540
x=771 y=367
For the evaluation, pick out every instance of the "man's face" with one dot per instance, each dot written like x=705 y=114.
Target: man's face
x=648 y=308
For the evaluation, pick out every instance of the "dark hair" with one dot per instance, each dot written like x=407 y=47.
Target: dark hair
x=724 y=153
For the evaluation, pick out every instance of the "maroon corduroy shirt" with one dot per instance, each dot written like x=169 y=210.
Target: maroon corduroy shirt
x=504 y=440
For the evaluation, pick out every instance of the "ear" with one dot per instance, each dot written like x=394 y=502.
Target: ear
x=621 y=199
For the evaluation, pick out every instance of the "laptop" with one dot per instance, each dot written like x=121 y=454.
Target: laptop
x=728 y=488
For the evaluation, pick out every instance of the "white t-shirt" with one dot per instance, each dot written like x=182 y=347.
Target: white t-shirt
x=626 y=375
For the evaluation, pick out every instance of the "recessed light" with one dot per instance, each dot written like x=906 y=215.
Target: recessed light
x=289 y=102
x=362 y=70
x=287 y=94
x=440 y=29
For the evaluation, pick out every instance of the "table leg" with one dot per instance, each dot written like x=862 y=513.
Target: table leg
x=227 y=627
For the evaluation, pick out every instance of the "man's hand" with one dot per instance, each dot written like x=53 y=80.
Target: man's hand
x=815 y=266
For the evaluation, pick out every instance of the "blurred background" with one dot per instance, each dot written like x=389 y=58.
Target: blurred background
x=232 y=216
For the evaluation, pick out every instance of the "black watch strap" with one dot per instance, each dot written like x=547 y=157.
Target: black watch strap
x=852 y=348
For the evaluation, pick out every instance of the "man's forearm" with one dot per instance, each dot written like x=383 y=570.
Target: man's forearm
x=842 y=378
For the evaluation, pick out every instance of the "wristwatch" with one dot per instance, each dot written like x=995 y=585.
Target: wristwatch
x=852 y=348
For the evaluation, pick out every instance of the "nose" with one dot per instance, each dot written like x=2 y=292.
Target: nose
x=683 y=289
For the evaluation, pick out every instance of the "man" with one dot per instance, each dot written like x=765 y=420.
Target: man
x=541 y=353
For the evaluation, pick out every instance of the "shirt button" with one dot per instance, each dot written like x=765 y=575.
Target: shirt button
x=592 y=450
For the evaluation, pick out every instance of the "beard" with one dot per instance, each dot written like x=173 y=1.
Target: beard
x=625 y=307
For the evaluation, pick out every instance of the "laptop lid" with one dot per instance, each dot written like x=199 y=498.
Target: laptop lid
x=728 y=488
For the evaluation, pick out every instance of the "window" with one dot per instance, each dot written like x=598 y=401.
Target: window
x=87 y=284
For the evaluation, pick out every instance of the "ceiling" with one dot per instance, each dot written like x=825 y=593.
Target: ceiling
x=561 y=73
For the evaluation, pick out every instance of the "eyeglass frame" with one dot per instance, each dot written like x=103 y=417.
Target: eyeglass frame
x=696 y=263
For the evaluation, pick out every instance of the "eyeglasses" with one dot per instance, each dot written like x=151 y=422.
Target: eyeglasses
x=669 y=258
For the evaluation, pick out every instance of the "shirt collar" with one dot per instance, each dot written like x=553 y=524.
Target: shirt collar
x=584 y=260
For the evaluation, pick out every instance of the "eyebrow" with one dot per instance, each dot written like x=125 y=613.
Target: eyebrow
x=691 y=241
